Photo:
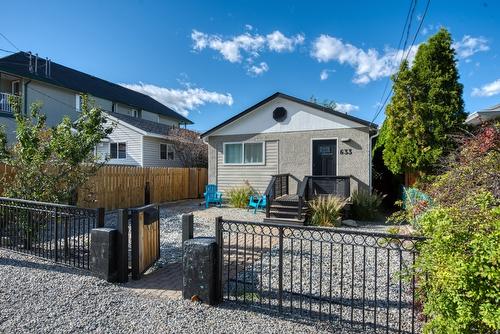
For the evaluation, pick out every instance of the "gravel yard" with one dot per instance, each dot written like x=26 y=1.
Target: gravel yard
x=39 y=296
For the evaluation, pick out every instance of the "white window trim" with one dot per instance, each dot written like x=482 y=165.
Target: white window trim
x=118 y=150
x=78 y=102
x=170 y=147
x=243 y=154
x=18 y=82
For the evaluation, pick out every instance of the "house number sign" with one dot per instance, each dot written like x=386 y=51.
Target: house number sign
x=346 y=151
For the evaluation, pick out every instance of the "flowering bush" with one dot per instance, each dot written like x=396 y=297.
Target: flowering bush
x=459 y=266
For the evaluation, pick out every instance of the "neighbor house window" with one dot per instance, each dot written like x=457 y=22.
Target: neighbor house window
x=78 y=102
x=118 y=150
x=136 y=113
x=167 y=152
x=170 y=153
x=244 y=153
x=163 y=151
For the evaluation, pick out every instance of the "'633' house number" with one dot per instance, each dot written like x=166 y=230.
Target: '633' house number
x=345 y=151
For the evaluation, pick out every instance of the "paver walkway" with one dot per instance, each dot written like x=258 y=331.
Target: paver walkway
x=165 y=282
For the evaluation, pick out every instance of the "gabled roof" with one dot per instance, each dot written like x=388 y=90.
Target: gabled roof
x=62 y=76
x=148 y=127
x=293 y=99
x=484 y=115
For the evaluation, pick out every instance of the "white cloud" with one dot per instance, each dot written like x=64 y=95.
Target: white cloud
x=246 y=46
x=346 y=107
x=490 y=89
x=256 y=70
x=325 y=74
x=248 y=27
x=278 y=42
x=469 y=45
x=181 y=100
x=369 y=65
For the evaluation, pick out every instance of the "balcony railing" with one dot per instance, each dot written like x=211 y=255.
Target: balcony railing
x=5 y=102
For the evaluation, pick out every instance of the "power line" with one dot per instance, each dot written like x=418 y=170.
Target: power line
x=9 y=41
x=406 y=58
x=8 y=51
x=406 y=27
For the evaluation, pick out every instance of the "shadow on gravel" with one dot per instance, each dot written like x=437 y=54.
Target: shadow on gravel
x=48 y=266
x=331 y=323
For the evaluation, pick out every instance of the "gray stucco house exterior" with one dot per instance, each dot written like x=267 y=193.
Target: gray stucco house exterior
x=141 y=124
x=284 y=134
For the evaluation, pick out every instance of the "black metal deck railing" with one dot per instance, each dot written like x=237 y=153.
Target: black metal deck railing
x=354 y=279
x=57 y=232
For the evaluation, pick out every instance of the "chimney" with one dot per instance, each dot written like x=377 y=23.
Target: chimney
x=46 y=67
x=30 y=67
x=36 y=63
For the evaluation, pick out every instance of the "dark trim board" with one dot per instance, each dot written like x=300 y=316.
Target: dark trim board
x=293 y=99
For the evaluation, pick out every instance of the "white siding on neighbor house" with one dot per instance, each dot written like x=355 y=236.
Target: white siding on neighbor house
x=151 y=154
x=62 y=102
x=123 y=109
x=230 y=176
x=168 y=121
x=149 y=116
x=123 y=134
x=104 y=104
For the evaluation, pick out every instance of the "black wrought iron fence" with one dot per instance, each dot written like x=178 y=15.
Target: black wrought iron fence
x=57 y=232
x=358 y=279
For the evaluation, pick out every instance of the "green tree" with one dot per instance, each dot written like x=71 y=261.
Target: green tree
x=52 y=163
x=425 y=109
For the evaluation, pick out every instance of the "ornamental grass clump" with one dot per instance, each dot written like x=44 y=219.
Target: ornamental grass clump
x=365 y=205
x=238 y=197
x=326 y=210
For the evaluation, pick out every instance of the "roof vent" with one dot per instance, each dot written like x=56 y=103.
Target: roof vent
x=279 y=114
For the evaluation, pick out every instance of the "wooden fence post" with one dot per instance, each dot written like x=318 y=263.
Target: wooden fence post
x=101 y=213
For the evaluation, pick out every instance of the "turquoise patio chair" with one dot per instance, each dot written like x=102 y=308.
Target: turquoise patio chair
x=212 y=195
x=256 y=203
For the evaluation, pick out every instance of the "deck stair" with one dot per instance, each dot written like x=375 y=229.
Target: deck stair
x=285 y=209
x=283 y=206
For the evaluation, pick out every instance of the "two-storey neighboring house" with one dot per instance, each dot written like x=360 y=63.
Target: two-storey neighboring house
x=141 y=124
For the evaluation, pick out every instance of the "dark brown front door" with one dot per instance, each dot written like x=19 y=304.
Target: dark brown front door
x=324 y=157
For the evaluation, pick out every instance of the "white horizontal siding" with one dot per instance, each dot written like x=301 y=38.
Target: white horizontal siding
x=149 y=116
x=230 y=176
x=151 y=154
x=122 y=134
x=168 y=121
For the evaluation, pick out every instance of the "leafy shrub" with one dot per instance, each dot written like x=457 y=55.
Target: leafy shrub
x=325 y=210
x=365 y=205
x=52 y=163
x=458 y=266
x=238 y=197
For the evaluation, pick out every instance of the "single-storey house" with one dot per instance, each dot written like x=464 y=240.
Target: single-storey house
x=285 y=135
x=140 y=137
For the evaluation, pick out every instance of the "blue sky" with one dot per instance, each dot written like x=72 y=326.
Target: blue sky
x=210 y=60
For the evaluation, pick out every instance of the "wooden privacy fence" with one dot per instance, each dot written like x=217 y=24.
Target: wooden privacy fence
x=115 y=187
x=124 y=187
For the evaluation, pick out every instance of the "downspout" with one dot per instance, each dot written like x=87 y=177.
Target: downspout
x=371 y=159
x=26 y=97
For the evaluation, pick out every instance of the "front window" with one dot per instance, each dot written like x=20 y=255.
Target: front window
x=244 y=153
x=118 y=150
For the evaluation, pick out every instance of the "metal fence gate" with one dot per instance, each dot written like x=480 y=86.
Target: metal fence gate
x=56 y=232
x=357 y=279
